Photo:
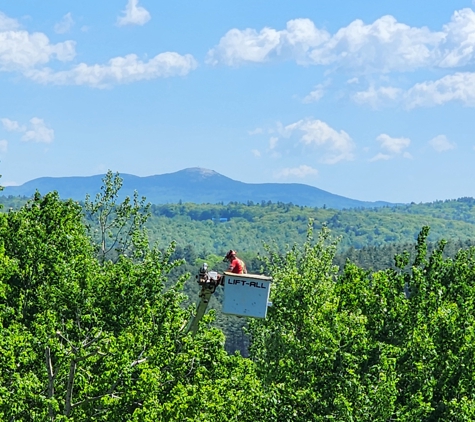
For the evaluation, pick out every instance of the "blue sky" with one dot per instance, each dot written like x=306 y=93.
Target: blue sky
x=369 y=100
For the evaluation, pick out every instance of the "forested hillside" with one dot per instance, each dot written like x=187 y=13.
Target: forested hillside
x=215 y=228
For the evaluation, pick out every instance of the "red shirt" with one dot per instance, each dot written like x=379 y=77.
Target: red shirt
x=237 y=266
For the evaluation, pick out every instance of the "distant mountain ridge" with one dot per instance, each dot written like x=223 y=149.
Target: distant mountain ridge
x=196 y=185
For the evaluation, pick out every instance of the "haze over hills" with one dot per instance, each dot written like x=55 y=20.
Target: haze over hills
x=196 y=185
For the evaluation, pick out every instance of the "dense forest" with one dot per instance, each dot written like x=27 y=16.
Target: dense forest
x=93 y=314
x=215 y=228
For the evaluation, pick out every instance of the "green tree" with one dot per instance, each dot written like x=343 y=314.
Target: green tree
x=117 y=227
x=436 y=369
x=419 y=326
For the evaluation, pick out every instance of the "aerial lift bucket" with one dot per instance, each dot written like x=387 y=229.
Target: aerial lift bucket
x=246 y=294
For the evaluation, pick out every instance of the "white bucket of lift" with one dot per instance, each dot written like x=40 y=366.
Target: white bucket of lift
x=246 y=294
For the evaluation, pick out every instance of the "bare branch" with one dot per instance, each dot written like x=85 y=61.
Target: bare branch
x=51 y=376
x=59 y=334
x=97 y=352
x=137 y=362
x=110 y=391
x=191 y=368
x=86 y=344
x=69 y=391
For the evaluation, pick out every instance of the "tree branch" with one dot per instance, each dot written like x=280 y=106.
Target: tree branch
x=69 y=391
x=51 y=375
x=110 y=391
x=86 y=343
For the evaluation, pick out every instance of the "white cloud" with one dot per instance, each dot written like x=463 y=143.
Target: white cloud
x=380 y=156
x=20 y=50
x=12 y=125
x=458 y=47
x=237 y=47
x=336 y=146
x=3 y=146
x=133 y=14
x=315 y=95
x=248 y=45
x=38 y=132
x=441 y=143
x=8 y=24
x=256 y=131
x=273 y=142
x=377 y=97
x=385 y=45
x=300 y=172
x=393 y=145
x=65 y=24
x=119 y=70
x=256 y=153
x=457 y=87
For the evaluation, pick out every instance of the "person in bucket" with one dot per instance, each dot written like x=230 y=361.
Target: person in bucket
x=236 y=265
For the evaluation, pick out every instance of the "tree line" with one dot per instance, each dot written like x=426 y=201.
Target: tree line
x=215 y=228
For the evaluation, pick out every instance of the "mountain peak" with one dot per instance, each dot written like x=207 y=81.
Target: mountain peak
x=201 y=171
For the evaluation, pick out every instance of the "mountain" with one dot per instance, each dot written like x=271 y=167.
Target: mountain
x=192 y=185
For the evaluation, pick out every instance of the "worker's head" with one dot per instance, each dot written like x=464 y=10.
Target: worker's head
x=230 y=256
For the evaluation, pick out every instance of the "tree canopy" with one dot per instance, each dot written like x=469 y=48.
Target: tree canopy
x=102 y=337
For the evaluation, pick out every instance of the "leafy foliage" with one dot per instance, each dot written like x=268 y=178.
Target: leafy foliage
x=385 y=345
